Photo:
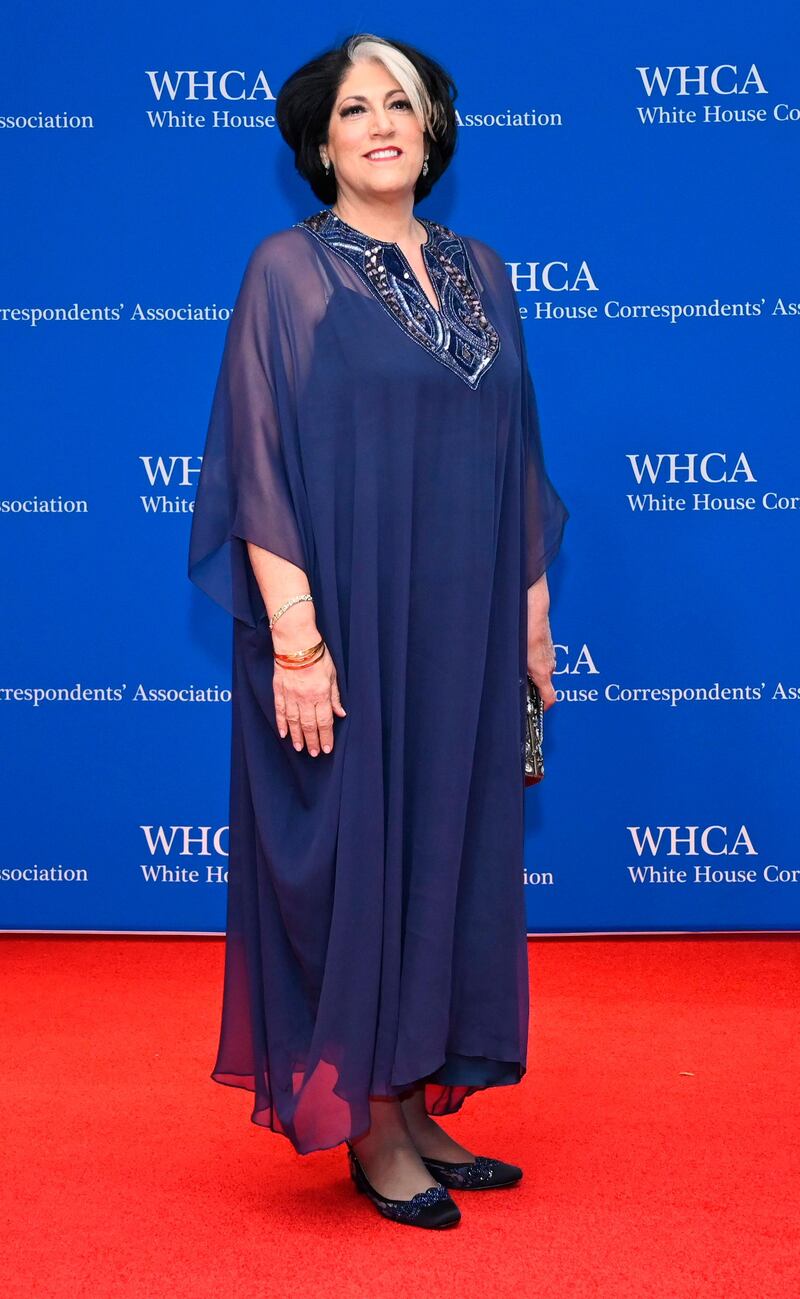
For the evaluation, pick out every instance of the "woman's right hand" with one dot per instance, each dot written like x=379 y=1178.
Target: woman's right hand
x=305 y=701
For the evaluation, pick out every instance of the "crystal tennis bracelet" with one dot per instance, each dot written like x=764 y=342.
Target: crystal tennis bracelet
x=286 y=605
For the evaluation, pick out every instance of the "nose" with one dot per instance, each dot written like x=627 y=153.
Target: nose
x=381 y=122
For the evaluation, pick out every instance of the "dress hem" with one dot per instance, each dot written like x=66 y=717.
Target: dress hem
x=456 y=1095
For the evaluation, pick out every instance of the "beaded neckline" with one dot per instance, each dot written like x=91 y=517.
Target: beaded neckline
x=388 y=243
x=459 y=335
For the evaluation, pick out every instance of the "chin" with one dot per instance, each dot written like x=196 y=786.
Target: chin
x=387 y=183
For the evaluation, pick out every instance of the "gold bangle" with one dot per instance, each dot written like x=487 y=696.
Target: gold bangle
x=294 y=666
x=298 y=654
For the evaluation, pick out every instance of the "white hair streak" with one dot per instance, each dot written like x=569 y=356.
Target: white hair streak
x=368 y=46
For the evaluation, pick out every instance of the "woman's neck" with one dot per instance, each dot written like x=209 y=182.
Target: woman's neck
x=396 y=224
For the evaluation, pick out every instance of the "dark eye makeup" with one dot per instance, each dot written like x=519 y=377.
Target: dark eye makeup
x=354 y=108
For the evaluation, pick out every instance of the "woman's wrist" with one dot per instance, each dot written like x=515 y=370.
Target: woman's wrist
x=295 y=629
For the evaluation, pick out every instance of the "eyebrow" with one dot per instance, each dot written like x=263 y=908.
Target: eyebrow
x=364 y=100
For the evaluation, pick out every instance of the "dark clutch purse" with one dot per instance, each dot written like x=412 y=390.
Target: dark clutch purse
x=534 y=716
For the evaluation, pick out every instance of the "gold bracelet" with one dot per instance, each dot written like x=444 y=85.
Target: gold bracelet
x=298 y=654
x=294 y=666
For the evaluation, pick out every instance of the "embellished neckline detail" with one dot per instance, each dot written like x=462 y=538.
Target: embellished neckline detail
x=459 y=334
x=387 y=243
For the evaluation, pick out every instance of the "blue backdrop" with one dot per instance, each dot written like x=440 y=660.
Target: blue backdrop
x=636 y=167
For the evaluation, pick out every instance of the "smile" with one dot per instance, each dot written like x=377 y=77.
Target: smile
x=383 y=155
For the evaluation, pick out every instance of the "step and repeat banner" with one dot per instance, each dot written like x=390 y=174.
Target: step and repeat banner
x=637 y=170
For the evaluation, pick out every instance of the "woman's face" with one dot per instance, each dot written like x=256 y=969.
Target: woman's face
x=371 y=114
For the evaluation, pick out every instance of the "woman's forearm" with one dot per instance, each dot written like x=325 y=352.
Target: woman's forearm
x=538 y=603
x=541 y=651
x=278 y=579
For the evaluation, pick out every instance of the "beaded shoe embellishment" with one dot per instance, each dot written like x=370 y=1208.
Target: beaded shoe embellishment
x=410 y=1209
x=479 y=1175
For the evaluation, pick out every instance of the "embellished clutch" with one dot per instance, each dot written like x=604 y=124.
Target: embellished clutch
x=534 y=715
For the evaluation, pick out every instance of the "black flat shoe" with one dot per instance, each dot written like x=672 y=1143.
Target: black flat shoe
x=432 y=1208
x=482 y=1175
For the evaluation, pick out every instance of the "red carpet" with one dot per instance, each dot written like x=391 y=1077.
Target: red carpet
x=658 y=1126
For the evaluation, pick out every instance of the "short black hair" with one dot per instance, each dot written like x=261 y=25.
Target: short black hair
x=305 y=103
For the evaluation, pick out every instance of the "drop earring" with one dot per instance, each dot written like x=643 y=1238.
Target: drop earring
x=425 y=166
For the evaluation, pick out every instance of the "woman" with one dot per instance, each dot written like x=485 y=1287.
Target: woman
x=373 y=501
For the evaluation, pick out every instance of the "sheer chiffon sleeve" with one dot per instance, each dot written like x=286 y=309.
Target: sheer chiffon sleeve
x=545 y=512
x=250 y=488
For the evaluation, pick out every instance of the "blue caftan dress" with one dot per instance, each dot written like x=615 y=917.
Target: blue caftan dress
x=375 y=927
